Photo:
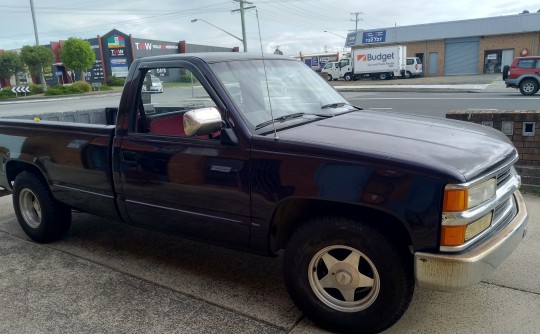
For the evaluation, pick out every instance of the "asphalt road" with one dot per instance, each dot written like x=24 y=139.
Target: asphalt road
x=439 y=104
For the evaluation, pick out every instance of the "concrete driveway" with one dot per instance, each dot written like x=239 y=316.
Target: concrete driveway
x=106 y=277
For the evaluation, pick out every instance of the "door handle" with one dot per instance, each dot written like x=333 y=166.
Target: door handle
x=129 y=156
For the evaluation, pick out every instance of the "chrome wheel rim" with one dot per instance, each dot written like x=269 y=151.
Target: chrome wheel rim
x=528 y=87
x=343 y=278
x=30 y=208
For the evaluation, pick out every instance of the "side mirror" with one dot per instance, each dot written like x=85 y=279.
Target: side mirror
x=199 y=122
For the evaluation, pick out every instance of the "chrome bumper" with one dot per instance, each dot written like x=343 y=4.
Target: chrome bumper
x=452 y=272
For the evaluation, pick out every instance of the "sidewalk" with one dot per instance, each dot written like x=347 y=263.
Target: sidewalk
x=486 y=83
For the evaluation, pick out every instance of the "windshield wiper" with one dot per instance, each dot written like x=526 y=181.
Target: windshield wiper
x=279 y=119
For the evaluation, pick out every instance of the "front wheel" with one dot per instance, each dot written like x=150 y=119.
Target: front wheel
x=346 y=276
x=348 y=77
x=528 y=87
x=42 y=217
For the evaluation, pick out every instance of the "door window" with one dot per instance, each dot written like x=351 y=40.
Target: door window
x=166 y=94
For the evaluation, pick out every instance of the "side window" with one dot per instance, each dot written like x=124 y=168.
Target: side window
x=166 y=95
x=526 y=63
x=538 y=63
x=410 y=61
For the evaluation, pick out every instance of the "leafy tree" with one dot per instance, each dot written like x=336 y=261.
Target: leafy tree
x=77 y=54
x=10 y=65
x=35 y=57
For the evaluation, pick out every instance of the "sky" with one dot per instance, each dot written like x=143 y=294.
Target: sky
x=293 y=26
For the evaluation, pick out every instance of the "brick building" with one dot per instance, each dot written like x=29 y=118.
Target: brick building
x=474 y=46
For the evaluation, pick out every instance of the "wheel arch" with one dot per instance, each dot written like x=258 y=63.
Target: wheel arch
x=292 y=213
x=15 y=167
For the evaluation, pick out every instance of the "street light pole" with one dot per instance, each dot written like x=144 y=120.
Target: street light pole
x=42 y=78
x=228 y=33
x=335 y=34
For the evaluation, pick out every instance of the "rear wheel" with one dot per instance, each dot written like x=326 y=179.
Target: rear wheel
x=329 y=77
x=528 y=87
x=43 y=218
x=383 y=76
x=346 y=276
x=407 y=75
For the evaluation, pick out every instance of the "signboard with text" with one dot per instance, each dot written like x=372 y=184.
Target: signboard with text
x=369 y=37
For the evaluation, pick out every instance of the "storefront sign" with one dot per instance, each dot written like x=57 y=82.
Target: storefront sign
x=369 y=37
x=492 y=56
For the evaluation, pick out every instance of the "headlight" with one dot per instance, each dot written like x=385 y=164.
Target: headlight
x=458 y=198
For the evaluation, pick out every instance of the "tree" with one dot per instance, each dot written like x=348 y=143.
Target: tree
x=10 y=65
x=77 y=54
x=36 y=57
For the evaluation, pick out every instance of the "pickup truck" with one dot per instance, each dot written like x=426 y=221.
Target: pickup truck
x=261 y=154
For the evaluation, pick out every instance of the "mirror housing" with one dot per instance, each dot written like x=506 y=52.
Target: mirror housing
x=199 y=122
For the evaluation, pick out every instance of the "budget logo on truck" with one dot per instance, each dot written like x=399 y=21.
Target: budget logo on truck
x=381 y=56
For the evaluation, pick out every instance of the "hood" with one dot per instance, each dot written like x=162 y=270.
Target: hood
x=459 y=149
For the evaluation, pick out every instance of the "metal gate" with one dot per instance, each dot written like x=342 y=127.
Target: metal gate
x=433 y=62
x=461 y=56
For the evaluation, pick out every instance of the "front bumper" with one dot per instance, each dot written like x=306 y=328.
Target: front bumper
x=453 y=272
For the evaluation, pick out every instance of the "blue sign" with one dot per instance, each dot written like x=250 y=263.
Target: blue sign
x=374 y=37
x=351 y=39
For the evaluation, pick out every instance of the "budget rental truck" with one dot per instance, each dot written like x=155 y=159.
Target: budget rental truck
x=263 y=155
x=382 y=63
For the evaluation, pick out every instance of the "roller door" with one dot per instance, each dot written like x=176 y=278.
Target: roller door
x=461 y=56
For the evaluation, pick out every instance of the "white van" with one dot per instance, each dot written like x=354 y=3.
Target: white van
x=413 y=68
x=332 y=70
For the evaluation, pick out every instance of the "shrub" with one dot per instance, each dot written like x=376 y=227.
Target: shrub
x=63 y=90
x=6 y=93
x=35 y=89
x=188 y=78
x=114 y=81
x=84 y=86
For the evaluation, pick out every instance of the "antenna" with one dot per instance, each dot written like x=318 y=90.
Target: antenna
x=266 y=77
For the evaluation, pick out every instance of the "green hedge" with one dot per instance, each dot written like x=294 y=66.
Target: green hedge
x=6 y=93
x=114 y=81
x=84 y=86
x=64 y=90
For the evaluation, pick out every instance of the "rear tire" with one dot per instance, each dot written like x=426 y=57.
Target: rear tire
x=43 y=218
x=329 y=77
x=528 y=87
x=505 y=70
x=346 y=276
x=407 y=75
x=383 y=76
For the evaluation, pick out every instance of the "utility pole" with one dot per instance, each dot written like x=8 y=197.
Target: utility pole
x=241 y=10
x=356 y=19
x=42 y=78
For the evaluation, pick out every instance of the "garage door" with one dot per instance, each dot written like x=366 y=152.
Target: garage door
x=461 y=56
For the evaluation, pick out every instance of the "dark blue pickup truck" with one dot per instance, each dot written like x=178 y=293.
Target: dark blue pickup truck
x=261 y=154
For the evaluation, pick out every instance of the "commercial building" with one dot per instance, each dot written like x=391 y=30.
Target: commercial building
x=474 y=46
x=115 y=51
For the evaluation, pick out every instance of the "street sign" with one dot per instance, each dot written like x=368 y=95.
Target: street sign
x=20 y=89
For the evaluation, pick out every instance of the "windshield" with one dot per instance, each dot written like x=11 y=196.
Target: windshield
x=294 y=89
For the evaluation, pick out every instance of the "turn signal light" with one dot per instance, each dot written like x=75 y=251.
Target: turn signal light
x=453 y=235
x=455 y=200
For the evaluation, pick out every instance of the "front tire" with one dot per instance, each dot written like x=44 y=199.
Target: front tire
x=528 y=87
x=42 y=217
x=346 y=276
x=348 y=77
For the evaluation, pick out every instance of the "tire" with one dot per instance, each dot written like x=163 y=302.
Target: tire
x=43 y=218
x=348 y=77
x=383 y=76
x=407 y=75
x=329 y=77
x=528 y=87
x=505 y=70
x=376 y=275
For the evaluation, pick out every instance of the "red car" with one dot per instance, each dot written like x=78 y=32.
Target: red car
x=524 y=73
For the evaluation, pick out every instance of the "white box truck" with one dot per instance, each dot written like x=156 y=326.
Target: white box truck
x=382 y=62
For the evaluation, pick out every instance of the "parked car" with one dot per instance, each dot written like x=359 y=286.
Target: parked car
x=523 y=73
x=413 y=68
x=332 y=70
x=153 y=85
